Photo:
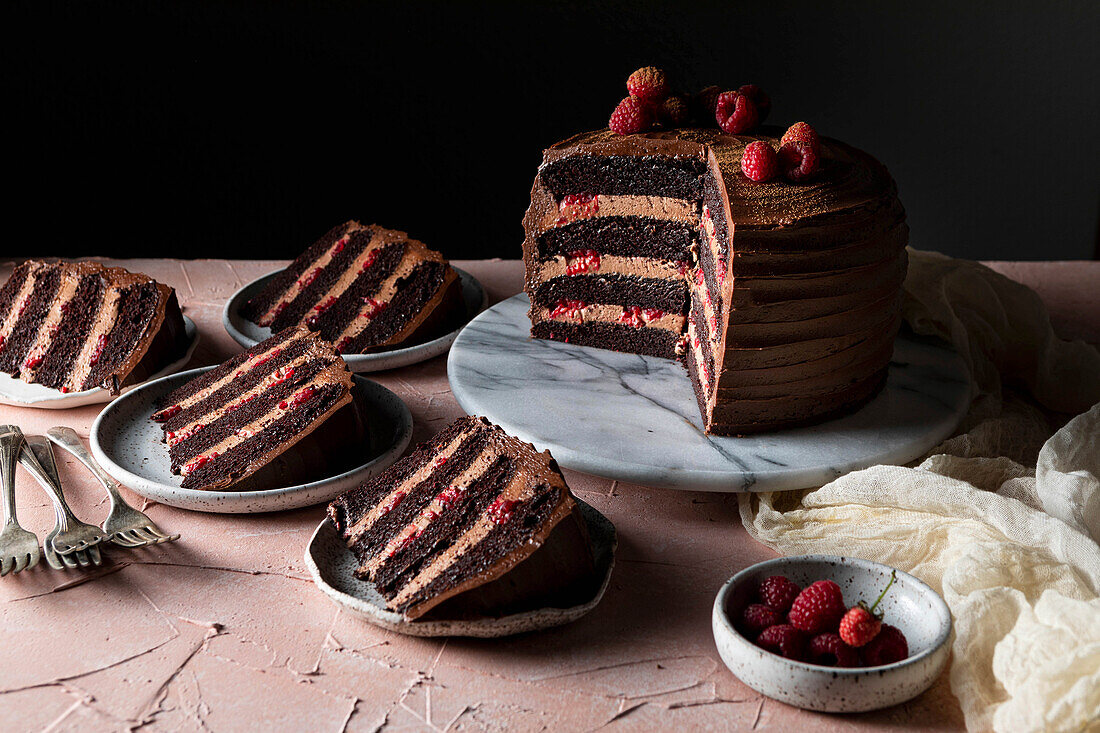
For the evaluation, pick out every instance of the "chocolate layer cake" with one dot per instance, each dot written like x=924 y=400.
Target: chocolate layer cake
x=782 y=299
x=74 y=326
x=365 y=289
x=279 y=414
x=463 y=517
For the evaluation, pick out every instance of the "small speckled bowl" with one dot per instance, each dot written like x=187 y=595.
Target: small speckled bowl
x=911 y=605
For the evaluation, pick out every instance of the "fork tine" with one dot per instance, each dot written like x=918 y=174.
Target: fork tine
x=21 y=562
x=97 y=558
x=69 y=560
x=51 y=557
x=4 y=566
x=123 y=539
x=81 y=558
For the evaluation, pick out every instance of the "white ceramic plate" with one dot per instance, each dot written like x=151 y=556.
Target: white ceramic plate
x=128 y=444
x=16 y=393
x=248 y=334
x=910 y=605
x=332 y=566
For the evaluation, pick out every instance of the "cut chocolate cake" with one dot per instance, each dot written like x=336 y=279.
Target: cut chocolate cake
x=281 y=413
x=475 y=516
x=782 y=299
x=365 y=289
x=74 y=326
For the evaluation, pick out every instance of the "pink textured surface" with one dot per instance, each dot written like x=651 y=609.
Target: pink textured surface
x=223 y=630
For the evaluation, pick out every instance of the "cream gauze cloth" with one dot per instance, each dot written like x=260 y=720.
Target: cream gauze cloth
x=1003 y=518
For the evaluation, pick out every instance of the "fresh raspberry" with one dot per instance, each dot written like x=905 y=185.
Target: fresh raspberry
x=735 y=113
x=783 y=639
x=757 y=617
x=859 y=626
x=818 y=608
x=762 y=101
x=703 y=104
x=887 y=647
x=778 y=591
x=798 y=160
x=673 y=112
x=830 y=650
x=648 y=85
x=629 y=117
x=759 y=162
x=861 y=623
x=801 y=131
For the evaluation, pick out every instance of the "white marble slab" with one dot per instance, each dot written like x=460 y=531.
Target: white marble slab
x=635 y=419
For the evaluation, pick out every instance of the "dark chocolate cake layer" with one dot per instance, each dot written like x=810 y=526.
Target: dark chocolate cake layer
x=459 y=512
x=269 y=404
x=779 y=275
x=75 y=326
x=364 y=289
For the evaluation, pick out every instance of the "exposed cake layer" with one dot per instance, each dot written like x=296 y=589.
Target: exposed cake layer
x=75 y=326
x=457 y=513
x=230 y=423
x=364 y=289
x=793 y=288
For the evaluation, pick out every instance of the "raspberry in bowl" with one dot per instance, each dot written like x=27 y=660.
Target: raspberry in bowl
x=829 y=633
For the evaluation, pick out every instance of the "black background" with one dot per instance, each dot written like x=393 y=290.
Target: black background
x=247 y=129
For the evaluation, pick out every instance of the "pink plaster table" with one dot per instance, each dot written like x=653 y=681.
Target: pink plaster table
x=224 y=630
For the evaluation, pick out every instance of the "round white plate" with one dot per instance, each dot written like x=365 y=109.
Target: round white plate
x=17 y=393
x=130 y=447
x=634 y=418
x=333 y=565
x=248 y=334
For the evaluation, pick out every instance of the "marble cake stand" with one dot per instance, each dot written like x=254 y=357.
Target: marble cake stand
x=634 y=418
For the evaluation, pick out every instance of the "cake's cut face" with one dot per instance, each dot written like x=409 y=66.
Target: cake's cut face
x=782 y=299
x=363 y=288
x=278 y=414
x=459 y=512
x=74 y=326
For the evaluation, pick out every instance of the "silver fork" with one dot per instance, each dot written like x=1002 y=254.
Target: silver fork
x=70 y=536
x=125 y=525
x=18 y=547
x=58 y=562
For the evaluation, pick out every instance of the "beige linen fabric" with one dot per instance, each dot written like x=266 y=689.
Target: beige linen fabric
x=1003 y=518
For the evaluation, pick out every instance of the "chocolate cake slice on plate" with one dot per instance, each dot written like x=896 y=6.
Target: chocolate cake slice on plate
x=474 y=519
x=74 y=326
x=365 y=289
x=279 y=414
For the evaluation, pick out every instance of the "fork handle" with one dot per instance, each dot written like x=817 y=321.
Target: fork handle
x=53 y=489
x=11 y=443
x=68 y=439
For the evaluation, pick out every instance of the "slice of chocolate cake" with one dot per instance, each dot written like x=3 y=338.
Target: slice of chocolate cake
x=463 y=517
x=279 y=414
x=365 y=289
x=74 y=326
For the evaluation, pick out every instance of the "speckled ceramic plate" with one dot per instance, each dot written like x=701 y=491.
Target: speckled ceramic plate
x=332 y=566
x=910 y=605
x=16 y=393
x=129 y=446
x=248 y=334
